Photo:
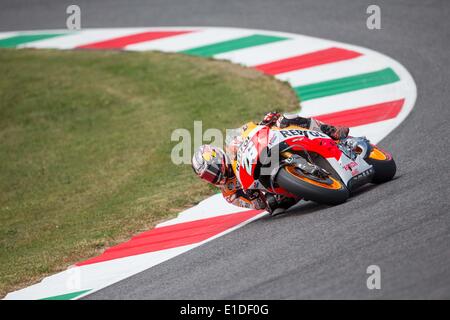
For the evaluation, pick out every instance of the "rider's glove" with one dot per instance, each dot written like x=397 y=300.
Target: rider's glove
x=335 y=132
x=283 y=122
x=270 y=118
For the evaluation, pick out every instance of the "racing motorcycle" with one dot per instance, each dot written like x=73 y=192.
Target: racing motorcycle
x=302 y=163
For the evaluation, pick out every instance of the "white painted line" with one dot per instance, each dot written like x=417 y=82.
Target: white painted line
x=5 y=35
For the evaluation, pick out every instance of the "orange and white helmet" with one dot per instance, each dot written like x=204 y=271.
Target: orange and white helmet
x=211 y=164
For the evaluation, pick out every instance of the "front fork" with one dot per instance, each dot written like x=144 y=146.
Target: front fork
x=355 y=146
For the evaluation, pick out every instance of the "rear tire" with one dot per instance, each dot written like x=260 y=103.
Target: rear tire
x=299 y=184
x=383 y=164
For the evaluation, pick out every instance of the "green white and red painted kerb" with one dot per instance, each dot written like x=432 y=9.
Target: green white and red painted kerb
x=338 y=83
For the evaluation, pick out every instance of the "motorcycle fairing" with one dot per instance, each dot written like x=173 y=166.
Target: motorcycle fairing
x=258 y=138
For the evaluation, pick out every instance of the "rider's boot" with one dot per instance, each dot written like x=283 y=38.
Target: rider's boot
x=276 y=206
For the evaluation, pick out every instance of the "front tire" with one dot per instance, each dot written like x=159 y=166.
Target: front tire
x=383 y=164
x=328 y=191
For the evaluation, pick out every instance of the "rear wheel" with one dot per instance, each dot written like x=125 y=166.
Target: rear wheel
x=326 y=190
x=383 y=164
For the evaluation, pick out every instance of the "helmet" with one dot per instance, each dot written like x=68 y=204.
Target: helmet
x=211 y=164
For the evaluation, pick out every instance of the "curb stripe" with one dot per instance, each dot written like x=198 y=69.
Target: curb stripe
x=352 y=100
x=353 y=83
x=120 y=42
x=199 y=38
x=67 y=296
x=332 y=71
x=82 y=37
x=280 y=50
x=307 y=60
x=231 y=45
x=364 y=115
x=173 y=236
x=14 y=41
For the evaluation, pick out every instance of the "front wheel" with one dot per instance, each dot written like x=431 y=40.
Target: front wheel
x=383 y=164
x=321 y=190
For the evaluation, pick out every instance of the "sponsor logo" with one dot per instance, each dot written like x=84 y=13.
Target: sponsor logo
x=350 y=166
x=303 y=133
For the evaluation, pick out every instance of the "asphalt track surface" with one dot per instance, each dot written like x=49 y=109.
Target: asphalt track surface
x=313 y=251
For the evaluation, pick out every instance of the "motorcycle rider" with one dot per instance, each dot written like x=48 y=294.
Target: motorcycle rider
x=213 y=165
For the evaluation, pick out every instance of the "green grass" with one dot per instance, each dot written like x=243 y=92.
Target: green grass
x=85 y=147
